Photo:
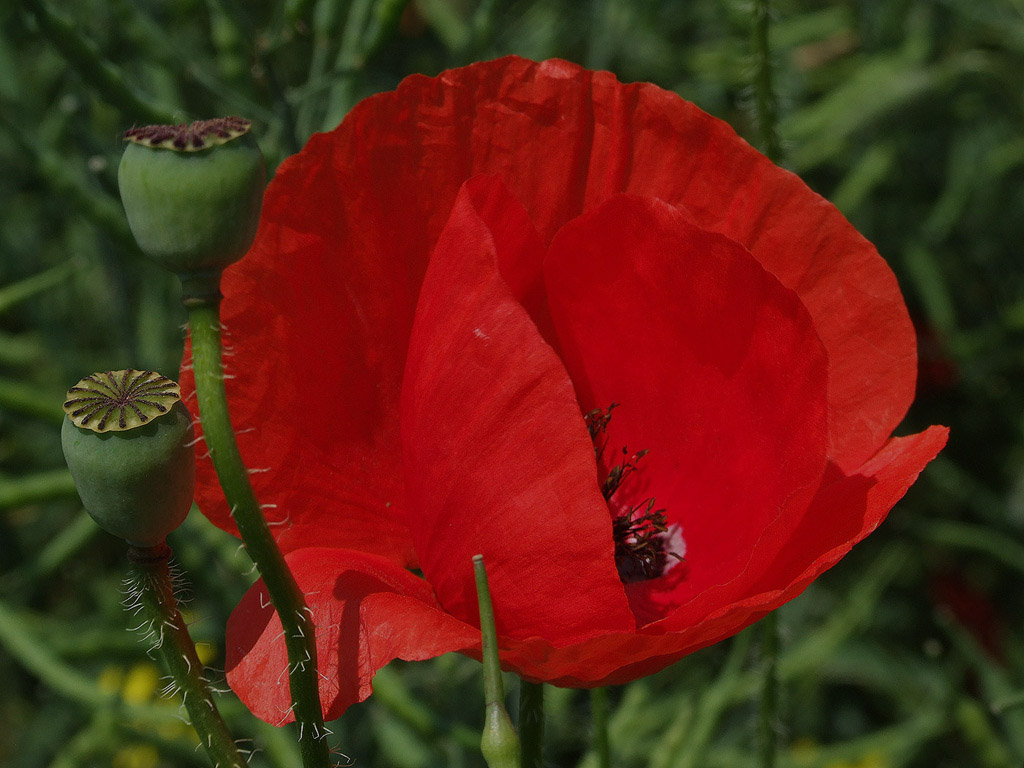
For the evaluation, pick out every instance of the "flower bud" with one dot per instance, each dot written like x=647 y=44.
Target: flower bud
x=499 y=742
x=128 y=440
x=192 y=195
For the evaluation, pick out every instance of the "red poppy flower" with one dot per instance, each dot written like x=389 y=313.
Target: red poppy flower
x=447 y=296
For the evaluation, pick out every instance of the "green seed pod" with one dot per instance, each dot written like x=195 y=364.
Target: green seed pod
x=128 y=442
x=192 y=195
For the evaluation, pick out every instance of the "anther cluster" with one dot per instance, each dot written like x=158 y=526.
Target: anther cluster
x=640 y=530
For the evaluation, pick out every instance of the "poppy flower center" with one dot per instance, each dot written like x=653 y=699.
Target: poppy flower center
x=646 y=546
x=120 y=400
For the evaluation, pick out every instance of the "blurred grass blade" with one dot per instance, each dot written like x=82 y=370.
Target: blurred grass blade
x=932 y=288
x=712 y=704
x=25 y=398
x=62 y=547
x=995 y=683
x=996 y=546
x=445 y=20
x=20 y=349
x=14 y=294
x=31 y=489
x=84 y=57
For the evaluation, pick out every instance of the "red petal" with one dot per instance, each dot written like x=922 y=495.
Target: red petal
x=618 y=658
x=565 y=139
x=517 y=245
x=847 y=508
x=844 y=512
x=315 y=326
x=321 y=309
x=367 y=612
x=497 y=457
x=718 y=373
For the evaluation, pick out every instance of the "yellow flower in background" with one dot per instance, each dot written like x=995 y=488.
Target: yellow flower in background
x=136 y=756
x=206 y=652
x=110 y=679
x=872 y=759
x=141 y=683
x=807 y=752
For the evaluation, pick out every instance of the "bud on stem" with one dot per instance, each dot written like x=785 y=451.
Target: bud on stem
x=192 y=195
x=128 y=441
x=499 y=743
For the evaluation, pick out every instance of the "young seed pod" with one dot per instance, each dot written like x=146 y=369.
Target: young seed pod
x=128 y=441
x=192 y=195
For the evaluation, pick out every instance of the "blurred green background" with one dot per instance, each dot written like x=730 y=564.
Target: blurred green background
x=908 y=114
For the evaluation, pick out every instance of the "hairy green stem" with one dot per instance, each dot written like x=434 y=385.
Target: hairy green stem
x=531 y=723
x=599 y=715
x=154 y=594
x=288 y=600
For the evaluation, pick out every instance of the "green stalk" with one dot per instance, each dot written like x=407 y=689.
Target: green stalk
x=531 y=723
x=767 y=122
x=499 y=743
x=155 y=595
x=288 y=600
x=764 y=91
x=769 y=689
x=713 y=702
x=599 y=715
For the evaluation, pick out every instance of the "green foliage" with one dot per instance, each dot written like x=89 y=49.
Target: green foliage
x=907 y=114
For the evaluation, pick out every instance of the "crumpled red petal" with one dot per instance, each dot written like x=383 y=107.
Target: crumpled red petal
x=367 y=611
x=328 y=292
x=497 y=458
x=320 y=316
x=849 y=507
x=565 y=139
x=845 y=510
x=717 y=371
x=319 y=321
x=349 y=592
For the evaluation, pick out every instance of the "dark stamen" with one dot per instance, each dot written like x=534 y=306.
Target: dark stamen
x=640 y=552
x=641 y=533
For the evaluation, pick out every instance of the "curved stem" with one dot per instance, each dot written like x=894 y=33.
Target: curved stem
x=288 y=600
x=154 y=593
x=531 y=723
x=599 y=716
